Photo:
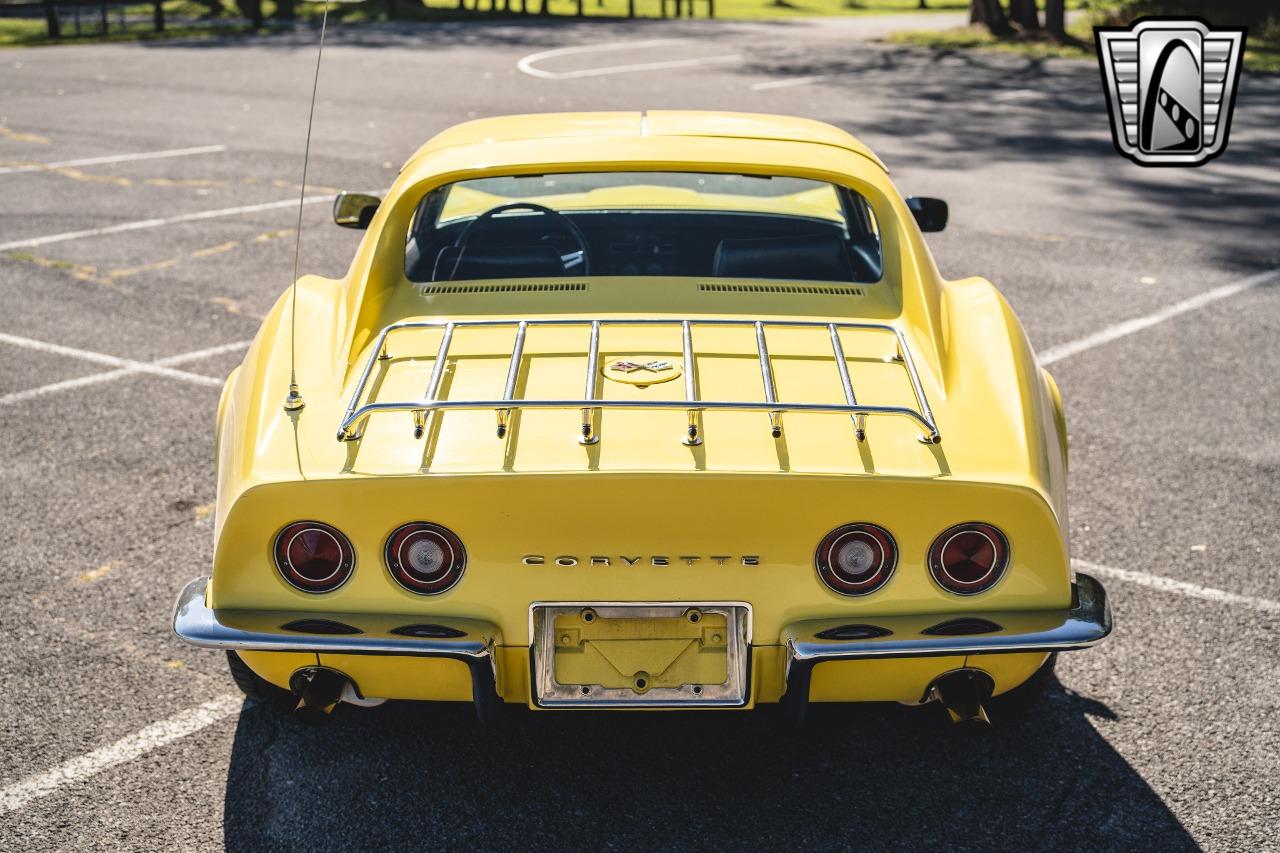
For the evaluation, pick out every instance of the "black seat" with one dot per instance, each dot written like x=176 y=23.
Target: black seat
x=815 y=257
x=472 y=262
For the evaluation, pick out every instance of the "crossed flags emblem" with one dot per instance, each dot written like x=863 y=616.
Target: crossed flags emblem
x=635 y=366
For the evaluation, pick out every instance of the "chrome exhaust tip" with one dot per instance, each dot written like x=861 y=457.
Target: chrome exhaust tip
x=962 y=693
x=318 y=691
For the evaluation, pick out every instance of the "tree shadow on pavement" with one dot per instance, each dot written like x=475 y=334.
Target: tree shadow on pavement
x=957 y=111
x=410 y=775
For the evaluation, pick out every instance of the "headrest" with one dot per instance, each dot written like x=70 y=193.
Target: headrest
x=817 y=257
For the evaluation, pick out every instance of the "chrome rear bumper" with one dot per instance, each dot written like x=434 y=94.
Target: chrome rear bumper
x=1086 y=622
x=470 y=641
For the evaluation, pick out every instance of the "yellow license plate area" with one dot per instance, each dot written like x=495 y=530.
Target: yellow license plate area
x=641 y=654
x=644 y=655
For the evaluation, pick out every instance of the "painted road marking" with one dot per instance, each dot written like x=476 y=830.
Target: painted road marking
x=192 y=720
x=789 y=82
x=1164 y=584
x=158 y=223
x=109 y=360
x=97 y=378
x=527 y=66
x=114 y=158
x=1129 y=327
x=1017 y=95
x=154 y=736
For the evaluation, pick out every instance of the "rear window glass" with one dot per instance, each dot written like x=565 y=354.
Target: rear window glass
x=643 y=224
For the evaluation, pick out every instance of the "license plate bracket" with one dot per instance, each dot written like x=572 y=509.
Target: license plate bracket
x=678 y=654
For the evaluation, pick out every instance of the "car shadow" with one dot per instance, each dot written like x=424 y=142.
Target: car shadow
x=417 y=775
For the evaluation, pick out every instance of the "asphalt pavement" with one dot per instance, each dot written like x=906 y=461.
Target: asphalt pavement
x=1165 y=737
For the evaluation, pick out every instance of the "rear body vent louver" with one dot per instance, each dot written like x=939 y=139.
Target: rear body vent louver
x=514 y=287
x=808 y=289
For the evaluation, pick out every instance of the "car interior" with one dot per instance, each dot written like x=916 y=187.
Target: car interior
x=526 y=239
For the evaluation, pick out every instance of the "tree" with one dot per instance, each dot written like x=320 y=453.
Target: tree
x=51 y=18
x=1023 y=13
x=251 y=9
x=1055 y=19
x=990 y=14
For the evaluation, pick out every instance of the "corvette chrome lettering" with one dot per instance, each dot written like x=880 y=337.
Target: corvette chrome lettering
x=658 y=560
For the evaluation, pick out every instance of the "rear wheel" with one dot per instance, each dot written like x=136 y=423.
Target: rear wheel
x=1031 y=691
x=255 y=686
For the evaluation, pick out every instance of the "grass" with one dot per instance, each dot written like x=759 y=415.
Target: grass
x=1261 y=55
x=185 y=18
x=725 y=9
x=978 y=37
x=22 y=32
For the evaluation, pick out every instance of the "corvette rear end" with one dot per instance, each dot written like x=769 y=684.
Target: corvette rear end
x=687 y=420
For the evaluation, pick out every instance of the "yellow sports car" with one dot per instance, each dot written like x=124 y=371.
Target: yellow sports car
x=639 y=411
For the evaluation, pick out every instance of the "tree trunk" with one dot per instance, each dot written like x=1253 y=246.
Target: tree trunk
x=159 y=15
x=1055 y=19
x=990 y=14
x=251 y=9
x=51 y=19
x=285 y=10
x=1023 y=13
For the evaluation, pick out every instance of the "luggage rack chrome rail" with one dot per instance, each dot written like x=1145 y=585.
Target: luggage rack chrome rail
x=357 y=415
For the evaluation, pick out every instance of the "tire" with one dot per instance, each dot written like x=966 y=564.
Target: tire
x=254 y=686
x=1031 y=691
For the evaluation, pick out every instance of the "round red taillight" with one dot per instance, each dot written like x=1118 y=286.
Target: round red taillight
x=314 y=556
x=857 y=558
x=425 y=558
x=969 y=558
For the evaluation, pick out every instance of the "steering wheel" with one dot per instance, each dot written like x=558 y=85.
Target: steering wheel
x=572 y=259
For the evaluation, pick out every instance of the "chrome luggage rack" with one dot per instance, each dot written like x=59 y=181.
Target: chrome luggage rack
x=357 y=415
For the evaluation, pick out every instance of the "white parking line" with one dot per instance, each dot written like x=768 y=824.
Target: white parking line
x=1129 y=327
x=158 y=368
x=1017 y=95
x=1179 y=587
x=114 y=158
x=526 y=64
x=787 y=83
x=154 y=736
x=96 y=378
x=184 y=723
x=157 y=223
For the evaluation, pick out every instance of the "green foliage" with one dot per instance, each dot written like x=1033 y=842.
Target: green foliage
x=1261 y=54
x=1224 y=13
x=1039 y=45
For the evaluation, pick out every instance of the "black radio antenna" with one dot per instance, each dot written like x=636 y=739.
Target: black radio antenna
x=293 y=401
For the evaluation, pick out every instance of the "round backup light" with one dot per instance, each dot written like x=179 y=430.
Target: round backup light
x=425 y=558
x=969 y=558
x=857 y=558
x=314 y=556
